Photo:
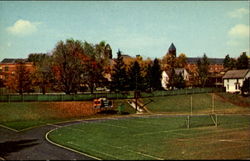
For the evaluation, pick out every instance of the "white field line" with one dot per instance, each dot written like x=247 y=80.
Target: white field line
x=147 y=155
x=158 y=132
x=176 y=130
x=6 y=127
x=46 y=136
x=140 y=153
x=107 y=124
x=126 y=149
x=95 y=151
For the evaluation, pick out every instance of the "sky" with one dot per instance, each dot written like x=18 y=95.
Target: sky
x=146 y=28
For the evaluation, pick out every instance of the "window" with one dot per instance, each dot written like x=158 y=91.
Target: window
x=228 y=87
x=6 y=68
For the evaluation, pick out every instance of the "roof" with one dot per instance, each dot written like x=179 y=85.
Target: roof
x=176 y=70
x=193 y=60
x=172 y=47
x=11 y=60
x=236 y=73
x=179 y=70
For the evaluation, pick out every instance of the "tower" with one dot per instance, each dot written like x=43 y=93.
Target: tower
x=172 y=50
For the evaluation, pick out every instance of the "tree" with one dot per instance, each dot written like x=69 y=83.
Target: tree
x=242 y=61
x=203 y=66
x=181 y=61
x=96 y=64
x=170 y=63
x=179 y=81
x=67 y=65
x=135 y=77
x=21 y=80
x=119 y=75
x=245 y=89
x=226 y=61
x=148 y=78
x=156 y=75
x=229 y=63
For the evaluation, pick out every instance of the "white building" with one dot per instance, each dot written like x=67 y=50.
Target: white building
x=178 y=71
x=233 y=79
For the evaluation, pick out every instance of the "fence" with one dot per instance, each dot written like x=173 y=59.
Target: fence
x=88 y=97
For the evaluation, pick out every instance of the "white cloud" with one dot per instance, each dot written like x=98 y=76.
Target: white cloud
x=238 y=13
x=23 y=27
x=239 y=31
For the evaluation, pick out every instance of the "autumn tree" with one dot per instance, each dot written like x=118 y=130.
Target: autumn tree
x=43 y=74
x=170 y=63
x=96 y=65
x=67 y=65
x=21 y=80
x=181 y=61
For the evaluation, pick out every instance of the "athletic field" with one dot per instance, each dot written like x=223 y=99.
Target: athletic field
x=159 y=137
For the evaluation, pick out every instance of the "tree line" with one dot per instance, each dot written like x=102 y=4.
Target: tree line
x=75 y=66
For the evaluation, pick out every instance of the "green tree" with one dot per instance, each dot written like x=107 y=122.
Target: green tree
x=242 y=61
x=156 y=75
x=203 y=67
x=148 y=79
x=119 y=75
x=245 y=89
x=135 y=77
x=226 y=61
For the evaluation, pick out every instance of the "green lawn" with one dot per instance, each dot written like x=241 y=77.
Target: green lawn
x=201 y=103
x=159 y=138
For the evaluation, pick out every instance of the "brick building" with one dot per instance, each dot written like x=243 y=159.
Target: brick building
x=8 y=67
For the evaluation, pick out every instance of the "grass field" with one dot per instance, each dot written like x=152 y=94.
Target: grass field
x=201 y=103
x=160 y=138
x=21 y=115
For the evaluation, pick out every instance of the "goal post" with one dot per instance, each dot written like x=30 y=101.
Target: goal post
x=201 y=120
x=206 y=118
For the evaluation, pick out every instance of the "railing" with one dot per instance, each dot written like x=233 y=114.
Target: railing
x=88 y=97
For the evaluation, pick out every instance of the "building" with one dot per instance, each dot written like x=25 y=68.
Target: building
x=172 y=50
x=233 y=79
x=8 y=67
x=178 y=71
x=215 y=64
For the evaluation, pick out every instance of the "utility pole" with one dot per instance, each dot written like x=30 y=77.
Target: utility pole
x=136 y=93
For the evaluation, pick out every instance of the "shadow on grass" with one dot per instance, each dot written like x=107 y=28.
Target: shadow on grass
x=14 y=146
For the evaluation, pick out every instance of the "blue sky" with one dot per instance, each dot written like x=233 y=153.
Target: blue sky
x=147 y=28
